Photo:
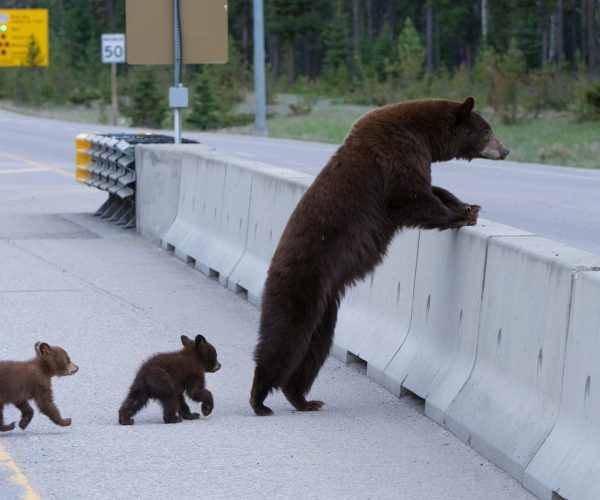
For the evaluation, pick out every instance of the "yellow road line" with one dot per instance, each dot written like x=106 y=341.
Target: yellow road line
x=37 y=164
x=22 y=170
x=17 y=476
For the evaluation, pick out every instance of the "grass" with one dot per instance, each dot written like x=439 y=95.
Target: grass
x=552 y=138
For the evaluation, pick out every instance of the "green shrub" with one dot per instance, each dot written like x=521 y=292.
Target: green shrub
x=148 y=106
x=205 y=113
x=591 y=104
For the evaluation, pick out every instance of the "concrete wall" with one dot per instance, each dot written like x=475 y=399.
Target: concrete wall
x=495 y=328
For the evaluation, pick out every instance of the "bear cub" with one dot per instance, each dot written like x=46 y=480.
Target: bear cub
x=21 y=381
x=168 y=376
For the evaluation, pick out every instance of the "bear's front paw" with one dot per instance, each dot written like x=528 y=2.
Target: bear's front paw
x=471 y=214
x=191 y=416
x=65 y=422
x=473 y=208
x=6 y=428
x=207 y=408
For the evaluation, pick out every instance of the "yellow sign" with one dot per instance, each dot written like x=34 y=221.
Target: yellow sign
x=23 y=37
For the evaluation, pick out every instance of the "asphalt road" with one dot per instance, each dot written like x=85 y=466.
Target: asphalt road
x=558 y=203
x=111 y=299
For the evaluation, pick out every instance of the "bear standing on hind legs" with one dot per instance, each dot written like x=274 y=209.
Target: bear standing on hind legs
x=378 y=182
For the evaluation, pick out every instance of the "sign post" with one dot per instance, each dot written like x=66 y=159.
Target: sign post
x=113 y=53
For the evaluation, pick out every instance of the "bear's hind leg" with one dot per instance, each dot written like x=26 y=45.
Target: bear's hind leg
x=302 y=379
x=135 y=401
x=261 y=387
x=26 y=414
x=4 y=428
x=170 y=407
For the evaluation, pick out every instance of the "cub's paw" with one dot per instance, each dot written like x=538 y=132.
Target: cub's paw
x=191 y=416
x=23 y=423
x=207 y=408
x=126 y=420
x=312 y=406
x=173 y=419
x=6 y=428
x=65 y=422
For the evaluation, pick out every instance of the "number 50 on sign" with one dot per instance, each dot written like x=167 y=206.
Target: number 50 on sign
x=113 y=48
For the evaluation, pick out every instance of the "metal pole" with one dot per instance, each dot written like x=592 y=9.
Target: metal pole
x=178 y=66
x=260 y=122
x=115 y=102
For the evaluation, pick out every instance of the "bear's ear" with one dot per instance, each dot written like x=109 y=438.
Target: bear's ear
x=43 y=349
x=186 y=341
x=465 y=109
x=200 y=340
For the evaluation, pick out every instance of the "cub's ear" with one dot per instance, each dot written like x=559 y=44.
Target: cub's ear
x=465 y=109
x=186 y=341
x=42 y=349
x=200 y=340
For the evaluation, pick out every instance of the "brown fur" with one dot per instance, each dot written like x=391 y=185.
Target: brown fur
x=378 y=182
x=167 y=376
x=21 y=381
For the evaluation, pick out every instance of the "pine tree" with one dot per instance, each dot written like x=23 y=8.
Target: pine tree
x=205 y=113
x=148 y=106
x=411 y=54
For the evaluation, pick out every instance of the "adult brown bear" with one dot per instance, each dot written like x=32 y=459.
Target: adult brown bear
x=378 y=181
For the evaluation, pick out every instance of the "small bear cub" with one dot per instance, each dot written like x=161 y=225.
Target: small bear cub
x=21 y=381
x=168 y=376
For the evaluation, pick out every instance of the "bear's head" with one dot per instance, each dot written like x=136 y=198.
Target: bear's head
x=55 y=360
x=476 y=139
x=204 y=351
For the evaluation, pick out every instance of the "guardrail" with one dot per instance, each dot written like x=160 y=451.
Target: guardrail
x=107 y=162
x=496 y=329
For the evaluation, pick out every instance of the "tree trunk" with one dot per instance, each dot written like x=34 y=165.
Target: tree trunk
x=391 y=17
x=290 y=62
x=274 y=56
x=552 y=39
x=370 y=21
x=111 y=12
x=484 y=21
x=429 y=37
x=356 y=22
x=560 y=32
x=591 y=12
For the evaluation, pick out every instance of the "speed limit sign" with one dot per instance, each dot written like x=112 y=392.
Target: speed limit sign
x=113 y=48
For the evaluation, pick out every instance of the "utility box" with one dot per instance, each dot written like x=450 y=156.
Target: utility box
x=150 y=32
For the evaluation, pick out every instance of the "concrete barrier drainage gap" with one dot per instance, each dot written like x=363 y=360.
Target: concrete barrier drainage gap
x=496 y=328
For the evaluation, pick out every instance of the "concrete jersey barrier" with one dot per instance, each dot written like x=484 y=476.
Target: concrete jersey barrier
x=568 y=463
x=485 y=323
x=510 y=403
x=438 y=354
